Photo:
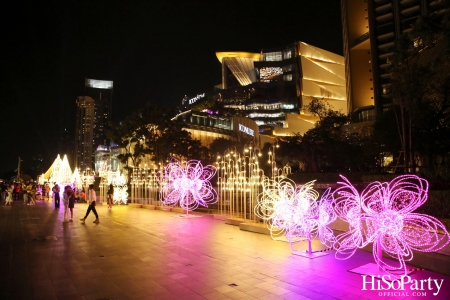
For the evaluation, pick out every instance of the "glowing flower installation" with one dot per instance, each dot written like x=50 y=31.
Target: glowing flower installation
x=295 y=212
x=187 y=185
x=383 y=215
x=275 y=206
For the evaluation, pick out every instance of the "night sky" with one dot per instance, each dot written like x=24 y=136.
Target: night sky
x=154 y=51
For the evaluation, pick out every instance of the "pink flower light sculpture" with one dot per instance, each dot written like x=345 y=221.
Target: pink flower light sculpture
x=295 y=212
x=188 y=185
x=383 y=215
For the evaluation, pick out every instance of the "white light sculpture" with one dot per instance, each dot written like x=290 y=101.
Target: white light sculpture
x=188 y=185
x=295 y=212
x=120 y=189
x=383 y=215
x=76 y=178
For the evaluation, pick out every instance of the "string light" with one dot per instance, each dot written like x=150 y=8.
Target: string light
x=383 y=215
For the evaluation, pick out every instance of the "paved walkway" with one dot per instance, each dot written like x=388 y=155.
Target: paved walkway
x=142 y=254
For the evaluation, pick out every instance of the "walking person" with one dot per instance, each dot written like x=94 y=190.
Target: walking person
x=91 y=198
x=55 y=190
x=9 y=197
x=110 y=194
x=66 y=195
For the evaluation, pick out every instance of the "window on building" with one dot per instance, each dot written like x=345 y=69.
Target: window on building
x=287 y=68
x=273 y=56
x=287 y=54
x=287 y=77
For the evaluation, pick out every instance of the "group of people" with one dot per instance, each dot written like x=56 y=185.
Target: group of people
x=91 y=198
x=27 y=191
x=70 y=196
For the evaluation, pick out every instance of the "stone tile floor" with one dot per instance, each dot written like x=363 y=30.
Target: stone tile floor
x=145 y=254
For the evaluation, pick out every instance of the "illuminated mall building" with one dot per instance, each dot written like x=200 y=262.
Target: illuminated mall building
x=93 y=114
x=207 y=126
x=273 y=87
x=370 y=29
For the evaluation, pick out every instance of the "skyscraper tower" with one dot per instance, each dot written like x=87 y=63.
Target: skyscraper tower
x=94 y=111
x=84 y=132
x=370 y=29
x=101 y=91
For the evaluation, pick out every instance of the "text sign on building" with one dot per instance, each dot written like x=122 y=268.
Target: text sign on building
x=198 y=97
x=99 y=84
x=246 y=130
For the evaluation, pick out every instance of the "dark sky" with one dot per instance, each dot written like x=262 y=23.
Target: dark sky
x=154 y=51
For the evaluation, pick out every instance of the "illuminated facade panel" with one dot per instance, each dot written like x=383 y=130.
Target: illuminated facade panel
x=286 y=79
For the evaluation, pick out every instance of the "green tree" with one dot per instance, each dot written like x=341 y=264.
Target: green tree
x=151 y=131
x=128 y=136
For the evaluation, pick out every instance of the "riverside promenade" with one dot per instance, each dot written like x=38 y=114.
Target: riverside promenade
x=150 y=254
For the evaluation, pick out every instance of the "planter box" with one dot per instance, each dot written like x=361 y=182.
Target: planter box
x=149 y=206
x=164 y=208
x=179 y=210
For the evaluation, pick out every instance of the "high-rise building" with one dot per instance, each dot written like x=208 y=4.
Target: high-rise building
x=84 y=133
x=370 y=29
x=101 y=91
x=94 y=111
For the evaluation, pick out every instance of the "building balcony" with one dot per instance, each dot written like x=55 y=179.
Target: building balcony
x=410 y=10
x=383 y=8
x=385 y=17
x=386 y=46
x=386 y=55
x=407 y=2
x=386 y=36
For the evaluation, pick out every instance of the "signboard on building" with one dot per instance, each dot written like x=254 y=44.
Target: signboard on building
x=98 y=84
x=196 y=98
x=246 y=130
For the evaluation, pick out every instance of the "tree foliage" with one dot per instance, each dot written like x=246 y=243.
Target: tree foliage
x=150 y=131
x=421 y=90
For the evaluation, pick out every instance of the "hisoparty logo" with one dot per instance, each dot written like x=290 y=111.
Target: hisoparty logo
x=398 y=286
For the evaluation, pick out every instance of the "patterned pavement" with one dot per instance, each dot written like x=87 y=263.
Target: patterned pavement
x=146 y=254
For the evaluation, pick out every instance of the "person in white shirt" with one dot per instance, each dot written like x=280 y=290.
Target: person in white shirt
x=66 y=195
x=91 y=197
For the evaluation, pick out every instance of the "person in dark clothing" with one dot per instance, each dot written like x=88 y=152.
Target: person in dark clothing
x=55 y=190
x=91 y=198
